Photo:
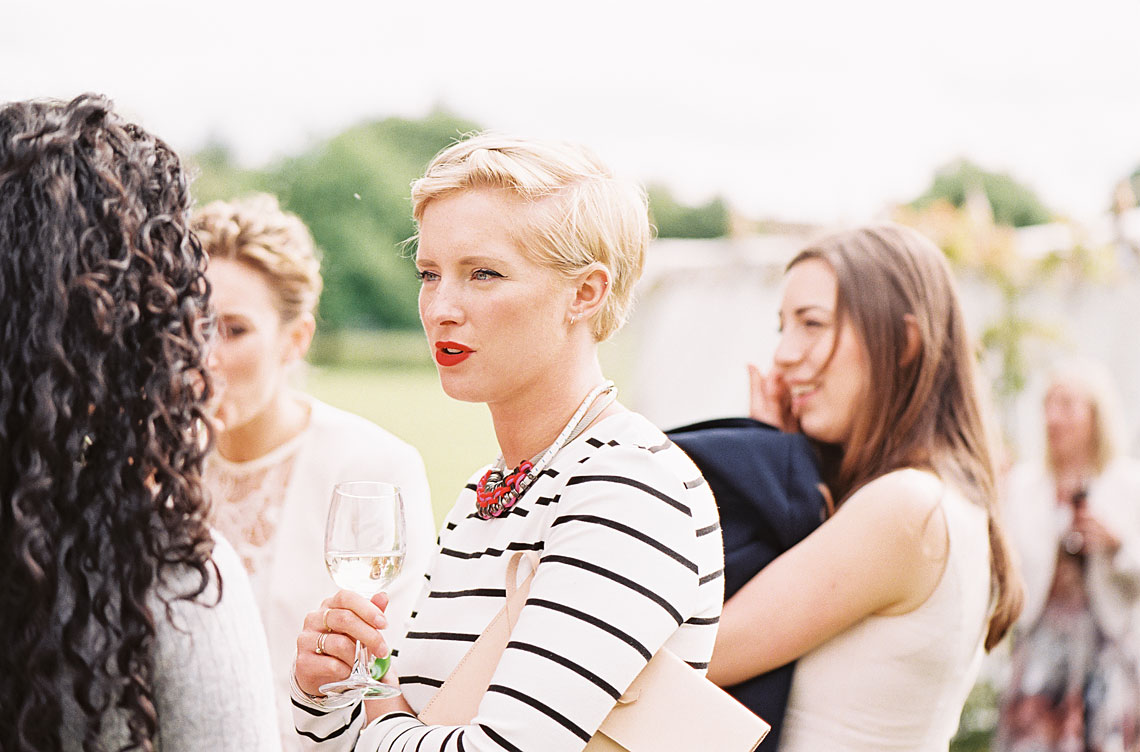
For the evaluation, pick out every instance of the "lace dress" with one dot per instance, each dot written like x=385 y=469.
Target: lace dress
x=248 y=499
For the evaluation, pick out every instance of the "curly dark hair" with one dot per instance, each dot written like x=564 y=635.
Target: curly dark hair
x=102 y=431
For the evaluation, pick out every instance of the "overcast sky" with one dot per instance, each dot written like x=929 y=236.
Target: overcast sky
x=822 y=110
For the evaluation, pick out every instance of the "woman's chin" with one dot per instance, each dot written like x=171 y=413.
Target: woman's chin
x=823 y=433
x=459 y=391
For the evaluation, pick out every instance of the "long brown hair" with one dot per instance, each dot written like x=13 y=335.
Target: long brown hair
x=924 y=409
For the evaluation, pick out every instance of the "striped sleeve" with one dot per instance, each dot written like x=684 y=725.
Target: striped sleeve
x=320 y=728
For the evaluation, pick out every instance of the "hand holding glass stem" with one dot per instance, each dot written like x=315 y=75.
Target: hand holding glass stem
x=364 y=552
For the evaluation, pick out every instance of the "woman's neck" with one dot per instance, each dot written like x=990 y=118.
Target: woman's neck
x=286 y=416
x=530 y=422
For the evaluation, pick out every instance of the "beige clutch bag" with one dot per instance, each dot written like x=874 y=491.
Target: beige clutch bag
x=670 y=706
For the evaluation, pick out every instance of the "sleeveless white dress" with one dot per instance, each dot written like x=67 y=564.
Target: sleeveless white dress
x=899 y=682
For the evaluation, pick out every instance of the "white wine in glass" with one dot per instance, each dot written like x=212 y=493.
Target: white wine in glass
x=364 y=551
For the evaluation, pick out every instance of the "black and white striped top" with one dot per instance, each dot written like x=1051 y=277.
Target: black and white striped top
x=631 y=560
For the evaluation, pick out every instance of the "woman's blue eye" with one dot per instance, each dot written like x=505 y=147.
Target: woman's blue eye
x=485 y=274
x=425 y=276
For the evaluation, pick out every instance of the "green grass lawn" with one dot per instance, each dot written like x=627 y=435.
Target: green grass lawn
x=455 y=438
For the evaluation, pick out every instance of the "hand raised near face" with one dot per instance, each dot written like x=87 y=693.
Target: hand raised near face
x=769 y=399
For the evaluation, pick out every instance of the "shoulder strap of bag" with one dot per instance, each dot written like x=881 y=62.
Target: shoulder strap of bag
x=458 y=699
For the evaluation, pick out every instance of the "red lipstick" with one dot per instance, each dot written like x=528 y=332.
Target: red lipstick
x=451 y=353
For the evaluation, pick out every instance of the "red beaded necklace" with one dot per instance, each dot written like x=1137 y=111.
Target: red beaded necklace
x=494 y=493
x=498 y=491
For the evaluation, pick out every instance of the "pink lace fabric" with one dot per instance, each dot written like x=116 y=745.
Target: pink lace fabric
x=247 y=502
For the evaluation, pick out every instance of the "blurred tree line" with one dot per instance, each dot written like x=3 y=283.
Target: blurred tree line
x=676 y=220
x=1011 y=203
x=352 y=190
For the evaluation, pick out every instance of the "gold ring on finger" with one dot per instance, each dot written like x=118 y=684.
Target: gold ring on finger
x=325 y=619
x=320 y=649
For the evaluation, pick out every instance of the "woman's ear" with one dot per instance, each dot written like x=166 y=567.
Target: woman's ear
x=913 y=340
x=590 y=292
x=299 y=337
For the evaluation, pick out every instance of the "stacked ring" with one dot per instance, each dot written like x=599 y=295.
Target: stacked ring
x=320 y=649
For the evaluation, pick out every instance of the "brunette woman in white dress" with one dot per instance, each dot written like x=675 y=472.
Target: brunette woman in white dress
x=889 y=604
x=280 y=451
x=528 y=253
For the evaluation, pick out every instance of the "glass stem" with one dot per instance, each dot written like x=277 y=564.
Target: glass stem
x=360 y=667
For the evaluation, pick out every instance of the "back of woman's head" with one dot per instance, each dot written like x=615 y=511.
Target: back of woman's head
x=102 y=300
x=578 y=213
x=255 y=231
x=924 y=408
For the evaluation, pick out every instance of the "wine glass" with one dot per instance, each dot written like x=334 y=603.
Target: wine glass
x=364 y=551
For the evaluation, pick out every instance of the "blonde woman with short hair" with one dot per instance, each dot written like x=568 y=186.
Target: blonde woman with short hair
x=528 y=253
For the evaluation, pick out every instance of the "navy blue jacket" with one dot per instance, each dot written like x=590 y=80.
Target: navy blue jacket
x=766 y=484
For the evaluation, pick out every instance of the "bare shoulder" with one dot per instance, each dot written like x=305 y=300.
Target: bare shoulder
x=905 y=505
x=904 y=524
x=900 y=493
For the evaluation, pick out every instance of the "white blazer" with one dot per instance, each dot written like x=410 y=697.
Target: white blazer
x=1036 y=524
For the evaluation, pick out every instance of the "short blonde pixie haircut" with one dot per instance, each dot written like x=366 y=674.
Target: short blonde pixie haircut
x=256 y=232
x=579 y=213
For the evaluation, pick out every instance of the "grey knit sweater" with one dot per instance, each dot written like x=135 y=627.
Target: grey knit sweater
x=213 y=686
